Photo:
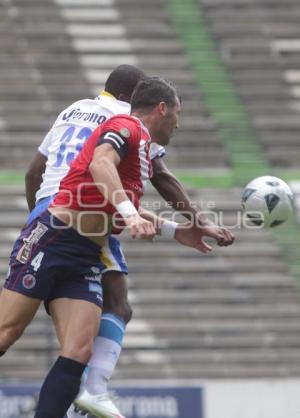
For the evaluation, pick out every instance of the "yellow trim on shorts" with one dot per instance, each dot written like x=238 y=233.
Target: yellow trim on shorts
x=105 y=259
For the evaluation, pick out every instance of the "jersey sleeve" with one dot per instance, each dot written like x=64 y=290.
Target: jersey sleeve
x=44 y=147
x=157 y=151
x=121 y=133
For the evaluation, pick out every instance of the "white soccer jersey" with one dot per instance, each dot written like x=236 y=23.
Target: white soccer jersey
x=69 y=132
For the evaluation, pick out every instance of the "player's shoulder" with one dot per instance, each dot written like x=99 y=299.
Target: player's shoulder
x=113 y=105
x=83 y=105
x=124 y=117
x=123 y=120
x=71 y=108
x=128 y=127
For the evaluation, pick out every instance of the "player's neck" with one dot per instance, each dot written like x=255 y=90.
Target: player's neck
x=145 y=118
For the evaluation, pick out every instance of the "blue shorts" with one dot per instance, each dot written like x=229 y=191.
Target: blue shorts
x=49 y=263
x=111 y=254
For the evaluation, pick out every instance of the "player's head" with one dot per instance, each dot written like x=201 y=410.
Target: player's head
x=157 y=102
x=122 y=81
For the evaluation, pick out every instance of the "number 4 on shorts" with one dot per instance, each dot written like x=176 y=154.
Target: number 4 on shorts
x=37 y=261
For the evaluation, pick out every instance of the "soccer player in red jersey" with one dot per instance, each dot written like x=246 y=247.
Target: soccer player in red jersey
x=56 y=257
x=49 y=166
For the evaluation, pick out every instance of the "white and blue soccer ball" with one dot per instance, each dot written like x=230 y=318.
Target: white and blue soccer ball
x=267 y=201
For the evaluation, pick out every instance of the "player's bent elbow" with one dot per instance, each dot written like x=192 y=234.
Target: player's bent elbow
x=97 y=167
x=103 y=162
x=93 y=168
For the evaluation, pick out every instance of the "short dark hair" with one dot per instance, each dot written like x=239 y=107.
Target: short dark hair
x=123 y=80
x=151 y=91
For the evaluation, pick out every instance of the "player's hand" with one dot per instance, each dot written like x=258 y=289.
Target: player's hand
x=222 y=235
x=194 y=236
x=189 y=236
x=140 y=227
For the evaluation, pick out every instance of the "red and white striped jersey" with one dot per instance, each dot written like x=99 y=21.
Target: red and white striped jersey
x=78 y=190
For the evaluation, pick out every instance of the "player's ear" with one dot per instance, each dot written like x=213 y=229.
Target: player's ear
x=162 y=108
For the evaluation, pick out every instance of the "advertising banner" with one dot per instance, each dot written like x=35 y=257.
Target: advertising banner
x=160 y=402
x=18 y=401
x=209 y=399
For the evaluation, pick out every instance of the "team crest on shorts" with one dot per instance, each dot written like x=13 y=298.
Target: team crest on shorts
x=28 y=281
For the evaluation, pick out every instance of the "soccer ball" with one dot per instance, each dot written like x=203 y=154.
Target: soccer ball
x=267 y=201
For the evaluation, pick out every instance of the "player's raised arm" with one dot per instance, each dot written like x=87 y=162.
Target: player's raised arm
x=103 y=168
x=185 y=233
x=170 y=188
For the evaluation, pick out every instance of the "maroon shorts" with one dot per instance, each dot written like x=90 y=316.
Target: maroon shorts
x=49 y=261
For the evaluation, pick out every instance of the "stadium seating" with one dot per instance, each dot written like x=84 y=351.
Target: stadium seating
x=39 y=75
x=259 y=42
x=62 y=51
x=234 y=313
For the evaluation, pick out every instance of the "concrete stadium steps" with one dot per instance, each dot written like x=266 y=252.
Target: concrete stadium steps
x=233 y=313
x=29 y=32
x=62 y=50
x=204 y=371
x=254 y=38
x=151 y=27
x=150 y=54
x=208 y=311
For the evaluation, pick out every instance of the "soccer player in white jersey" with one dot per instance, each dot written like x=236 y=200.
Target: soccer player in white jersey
x=51 y=163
